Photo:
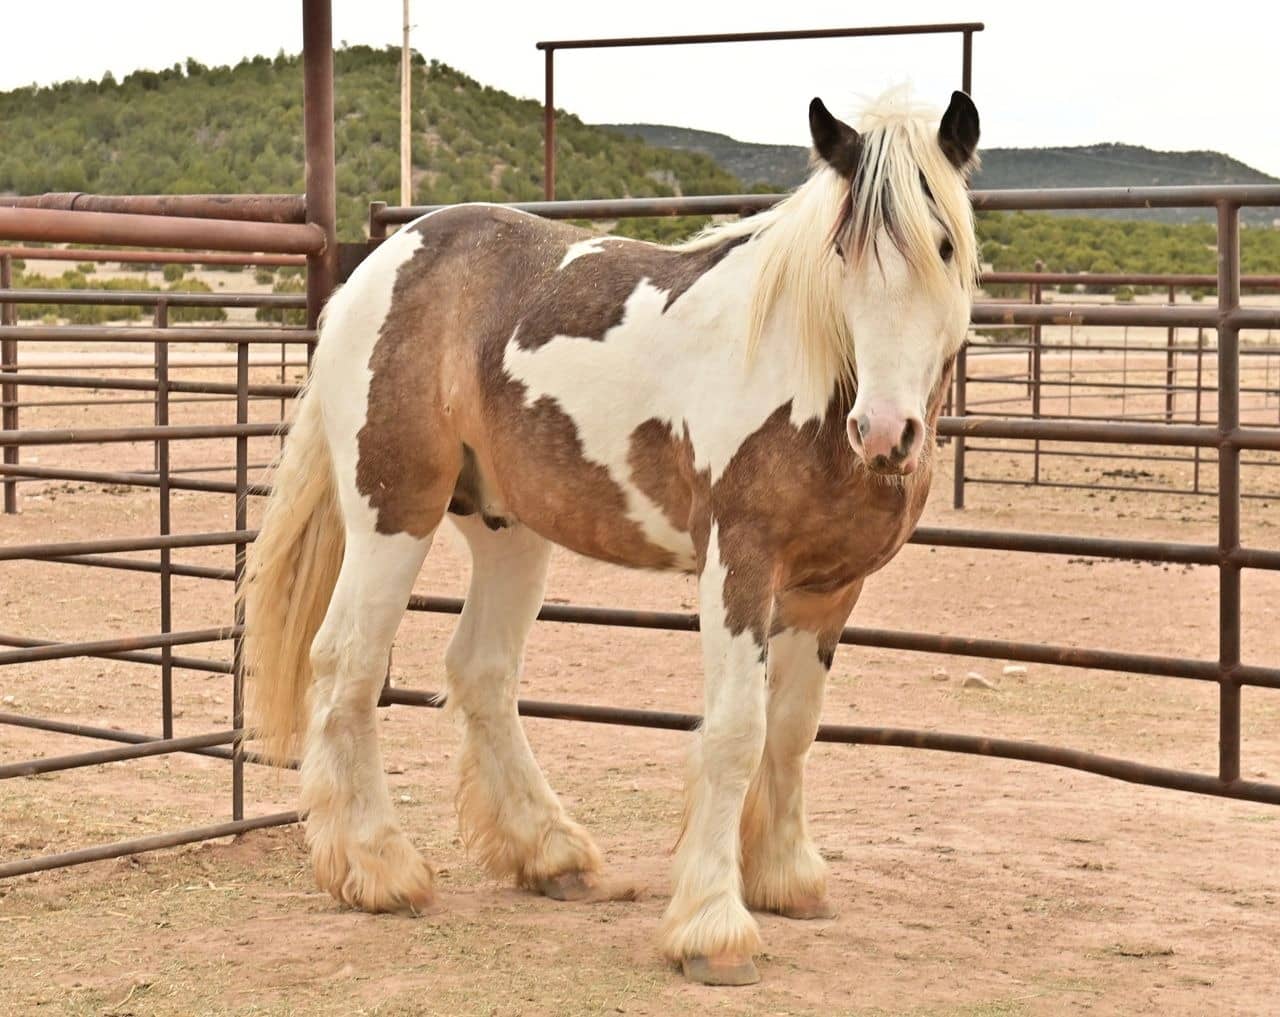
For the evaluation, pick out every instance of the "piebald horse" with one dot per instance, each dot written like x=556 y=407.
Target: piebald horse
x=756 y=405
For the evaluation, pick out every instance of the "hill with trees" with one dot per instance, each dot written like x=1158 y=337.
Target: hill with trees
x=196 y=129
x=1108 y=165
x=191 y=128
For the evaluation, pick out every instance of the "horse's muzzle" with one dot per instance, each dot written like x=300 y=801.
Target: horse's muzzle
x=889 y=444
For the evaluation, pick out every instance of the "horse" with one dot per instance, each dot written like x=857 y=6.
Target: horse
x=756 y=405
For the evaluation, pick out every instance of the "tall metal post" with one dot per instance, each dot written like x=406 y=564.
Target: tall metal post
x=1037 y=296
x=549 y=129
x=966 y=68
x=9 y=391
x=161 y=351
x=406 y=115
x=317 y=112
x=1170 y=369
x=1228 y=492
x=962 y=369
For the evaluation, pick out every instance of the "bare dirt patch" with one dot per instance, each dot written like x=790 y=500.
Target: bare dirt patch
x=966 y=887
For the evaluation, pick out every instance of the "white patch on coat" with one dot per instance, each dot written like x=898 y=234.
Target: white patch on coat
x=686 y=366
x=582 y=248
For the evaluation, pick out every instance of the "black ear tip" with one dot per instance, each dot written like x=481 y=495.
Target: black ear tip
x=961 y=100
x=817 y=106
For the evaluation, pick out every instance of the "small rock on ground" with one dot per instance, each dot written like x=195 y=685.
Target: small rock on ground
x=973 y=680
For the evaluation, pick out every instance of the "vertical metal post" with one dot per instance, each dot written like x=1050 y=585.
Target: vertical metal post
x=962 y=369
x=549 y=129
x=1170 y=371
x=1228 y=492
x=162 y=472
x=9 y=391
x=966 y=68
x=317 y=113
x=377 y=228
x=241 y=523
x=406 y=115
x=1195 y=486
x=1036 y=365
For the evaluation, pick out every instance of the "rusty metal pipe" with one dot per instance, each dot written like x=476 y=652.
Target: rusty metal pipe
x=92 y=648
x=152 y=257
x=127 y=334
x=41 y=552
x=138 y=750
x=124 y=848
x=151 y=298
x=264 y=208
x=128 y=737
x=847 y=734
x=788 y=36
x=118 y=228
x=104 y=435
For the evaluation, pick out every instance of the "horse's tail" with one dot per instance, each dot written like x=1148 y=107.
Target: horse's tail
x=289 y=578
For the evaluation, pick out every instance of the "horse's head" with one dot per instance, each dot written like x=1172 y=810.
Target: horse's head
x=909 y=262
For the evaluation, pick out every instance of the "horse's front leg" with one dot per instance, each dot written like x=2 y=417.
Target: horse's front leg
x=708 y=929
x=781 y=868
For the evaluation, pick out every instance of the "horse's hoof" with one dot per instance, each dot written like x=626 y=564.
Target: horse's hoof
x=808 y=908
x=721 y=969
x=585 y=887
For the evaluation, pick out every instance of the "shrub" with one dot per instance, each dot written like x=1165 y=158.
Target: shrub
x=172 y=273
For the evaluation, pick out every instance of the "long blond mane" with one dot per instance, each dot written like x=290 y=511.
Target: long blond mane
x=799 y=271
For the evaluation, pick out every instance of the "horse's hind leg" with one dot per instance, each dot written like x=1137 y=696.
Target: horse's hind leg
x=509 y=815
x=782 y=870
x=358 y=851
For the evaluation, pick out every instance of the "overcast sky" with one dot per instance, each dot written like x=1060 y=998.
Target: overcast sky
x=1044 y=75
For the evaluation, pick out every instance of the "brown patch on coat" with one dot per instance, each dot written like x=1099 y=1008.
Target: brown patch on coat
x=588 y=297
x=439 y=383
x=662 y=468
x=798 y=512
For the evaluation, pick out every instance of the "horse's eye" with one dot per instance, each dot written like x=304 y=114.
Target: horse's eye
x=945 y=250
x=839 y=250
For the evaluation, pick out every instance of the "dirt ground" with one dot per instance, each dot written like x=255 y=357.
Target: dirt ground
x=966 y=887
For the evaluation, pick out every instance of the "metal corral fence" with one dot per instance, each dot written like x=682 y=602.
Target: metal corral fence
x=49 y=371
x=1167 y=375
x=177 y=222
x=1226 y=436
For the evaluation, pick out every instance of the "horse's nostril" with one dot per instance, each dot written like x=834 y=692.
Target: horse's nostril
x=908 y=440
x=864 y=425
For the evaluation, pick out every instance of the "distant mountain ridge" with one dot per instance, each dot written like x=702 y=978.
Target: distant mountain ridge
x=1102 y=165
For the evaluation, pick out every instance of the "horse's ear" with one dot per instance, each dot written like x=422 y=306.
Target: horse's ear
x=958 y=132
x=835 y=142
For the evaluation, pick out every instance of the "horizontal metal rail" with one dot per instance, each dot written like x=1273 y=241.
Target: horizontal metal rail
x=124 y=848
x=1002 y=200
x=91 y=648
x=848 y=734
x=148 y=384
x=130 y=656
x=273 y=208
x=129 y=479
x=100 y=255
x=789 y=36
x=922 y=642
x=42 y=551
x=163 y=231
x=110 y=734
x=1209 y=282
x=167 y=432
x=150 y=298
x=138 y=750
x=177 y=334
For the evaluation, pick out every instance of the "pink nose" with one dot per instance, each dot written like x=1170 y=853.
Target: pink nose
x=887 y=442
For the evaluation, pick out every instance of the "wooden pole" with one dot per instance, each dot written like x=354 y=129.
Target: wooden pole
x=406 y=140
